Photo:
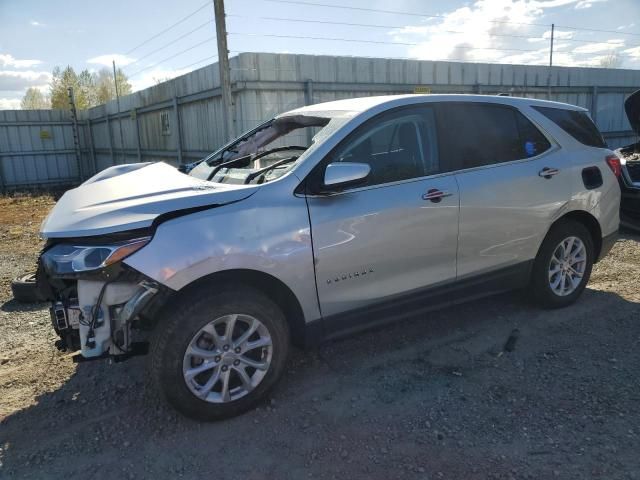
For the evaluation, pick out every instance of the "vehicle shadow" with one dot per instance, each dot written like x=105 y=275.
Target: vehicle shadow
x=15 y=306
x=350 y=395
x=629 y=234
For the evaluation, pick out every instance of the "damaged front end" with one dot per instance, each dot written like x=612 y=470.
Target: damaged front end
x=98 y=304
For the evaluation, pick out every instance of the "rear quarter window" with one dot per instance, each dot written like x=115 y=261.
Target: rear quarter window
x=575 y=123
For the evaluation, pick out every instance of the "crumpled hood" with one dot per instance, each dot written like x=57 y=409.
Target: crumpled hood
x=127 y=197
x=632 y=109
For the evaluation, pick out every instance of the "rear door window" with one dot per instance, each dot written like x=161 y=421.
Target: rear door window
x=577 y=124
x=478 y=134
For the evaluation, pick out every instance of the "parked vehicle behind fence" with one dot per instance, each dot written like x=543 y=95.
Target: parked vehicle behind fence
x=324 y=220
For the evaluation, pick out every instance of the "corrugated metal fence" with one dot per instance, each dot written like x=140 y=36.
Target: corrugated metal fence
x=177 y=121
x=37 y=149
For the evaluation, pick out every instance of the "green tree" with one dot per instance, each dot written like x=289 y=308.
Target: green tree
x=611 y=60
x=34 y=100
x=87 y=93
x=105 y=88
x=60 y=82
x=90 y=89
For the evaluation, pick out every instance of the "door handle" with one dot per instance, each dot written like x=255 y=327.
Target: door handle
x=435 y=195
x=548 y=172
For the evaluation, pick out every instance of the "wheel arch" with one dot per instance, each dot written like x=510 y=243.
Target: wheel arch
x=592 y=225
x=271 y=286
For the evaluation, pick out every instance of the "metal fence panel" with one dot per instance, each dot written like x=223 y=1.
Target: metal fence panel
x=177 y=121
x=36 y=148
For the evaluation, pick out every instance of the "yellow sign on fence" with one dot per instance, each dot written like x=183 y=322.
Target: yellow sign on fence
x=45 y=134
x=422 y=89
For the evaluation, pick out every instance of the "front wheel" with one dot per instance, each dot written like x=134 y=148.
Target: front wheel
x=563 y=265
x=215 y=356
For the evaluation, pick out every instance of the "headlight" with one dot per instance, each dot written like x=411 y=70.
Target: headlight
x=65 y=259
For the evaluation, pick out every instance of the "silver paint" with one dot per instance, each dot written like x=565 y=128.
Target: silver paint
x=499 y=213
x=345 y=172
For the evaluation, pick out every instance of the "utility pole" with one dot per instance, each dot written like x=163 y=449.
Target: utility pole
x=115 y=82
x=223 y=64
x=76 y=136
x=553 y=27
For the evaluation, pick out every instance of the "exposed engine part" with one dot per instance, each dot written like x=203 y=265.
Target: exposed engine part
x=140 y=300
x=66 y=321
x=108 y=310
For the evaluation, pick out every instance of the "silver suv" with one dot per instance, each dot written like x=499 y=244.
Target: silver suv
x=324 y=220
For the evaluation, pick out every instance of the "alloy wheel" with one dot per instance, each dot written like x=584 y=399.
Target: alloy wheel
x=227 y=358
x=567 y=266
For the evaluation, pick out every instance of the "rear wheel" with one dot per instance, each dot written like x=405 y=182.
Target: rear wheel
x=216 y=356
x=563 y=265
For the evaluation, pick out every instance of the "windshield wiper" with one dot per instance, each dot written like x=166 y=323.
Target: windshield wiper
x=257 y=173
x=228 y=163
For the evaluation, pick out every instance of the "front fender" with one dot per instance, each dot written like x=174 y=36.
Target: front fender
x=268 y=232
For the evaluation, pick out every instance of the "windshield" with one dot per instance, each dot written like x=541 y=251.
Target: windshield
x=263 y=154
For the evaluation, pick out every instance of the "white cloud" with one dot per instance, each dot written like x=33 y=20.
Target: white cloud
x=121 y=60
x=624 y=27
x=7 y=60
x=610 y=45
x=493 y=31
x=11 y=80
x=9 y=103
x=35 y=23
x=558 y=34
x=481 y=28
x=633 y=52
x=583 y=4
x=153 y=76
x=542 y=4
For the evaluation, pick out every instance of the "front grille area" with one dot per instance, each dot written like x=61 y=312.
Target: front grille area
x=633 y=168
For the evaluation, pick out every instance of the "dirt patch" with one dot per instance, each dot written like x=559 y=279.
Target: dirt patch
x=434 y=397
x=20 y=220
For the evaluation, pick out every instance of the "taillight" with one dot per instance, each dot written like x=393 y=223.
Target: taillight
x=614 y=164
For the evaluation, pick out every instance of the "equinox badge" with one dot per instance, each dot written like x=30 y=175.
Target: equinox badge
x=348 y=276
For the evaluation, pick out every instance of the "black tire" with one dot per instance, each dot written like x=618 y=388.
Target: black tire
x=24 y=289
x=541 y=291
x=182 y=320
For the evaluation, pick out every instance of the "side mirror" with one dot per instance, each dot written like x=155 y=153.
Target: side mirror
x=344 y=174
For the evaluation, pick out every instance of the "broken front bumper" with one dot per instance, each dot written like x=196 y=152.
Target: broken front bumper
x=96 y=317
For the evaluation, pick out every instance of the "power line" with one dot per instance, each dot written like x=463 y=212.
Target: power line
x=393 y=12
x=207 y=23
x=169 y=28
x=370 y=25
x=425 y=15
x=172 y=56
x=207 y=58
x=327 y=22
x=372 y=41
x=198 y=61
x=617 y=32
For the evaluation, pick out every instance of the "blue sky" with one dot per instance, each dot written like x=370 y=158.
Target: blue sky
x=36 y=35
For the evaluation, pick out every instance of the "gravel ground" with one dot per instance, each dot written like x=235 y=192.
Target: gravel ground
x=436 y=397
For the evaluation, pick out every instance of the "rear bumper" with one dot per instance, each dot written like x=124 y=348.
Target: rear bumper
x=607 y=245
